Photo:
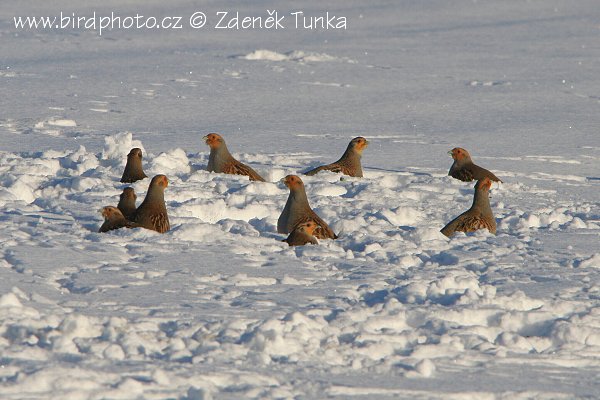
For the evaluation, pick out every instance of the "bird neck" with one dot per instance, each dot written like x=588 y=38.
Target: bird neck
x=219 y=155
x=298 y=198
x=133 y=166
x=464 y=161
x=116 y=218
x=126 y=201
x=481 y=202
x=155 y=195
x=351 y=154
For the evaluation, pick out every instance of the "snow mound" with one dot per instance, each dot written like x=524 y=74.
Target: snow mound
x=173 y=162
x=296 y=55
x=116 y=147
x=62 y=122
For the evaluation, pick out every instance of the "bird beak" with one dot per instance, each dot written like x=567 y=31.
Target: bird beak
x=450 y=153
x=282 y=180
x=205 y=138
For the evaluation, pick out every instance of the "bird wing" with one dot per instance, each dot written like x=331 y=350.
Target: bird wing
x=300 y=239
x=314 y=171
x=237 y=168
x=333 y=167
x=467 y=222
x=322 y=231
x=480 y=173
x=131 y=224
x=464 y=174
x=160 y=222
x=113 y=224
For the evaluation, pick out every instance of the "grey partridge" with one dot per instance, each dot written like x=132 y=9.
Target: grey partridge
x=479 y=216
x=220 y=160
x=349 y=163
x=302 y=234
x=133 y=169
x=152 y=213
x=465 y=170
x=297 y=211
x=127 y=203
x=113 y=219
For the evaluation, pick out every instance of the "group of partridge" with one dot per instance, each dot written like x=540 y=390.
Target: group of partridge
x=297 y=219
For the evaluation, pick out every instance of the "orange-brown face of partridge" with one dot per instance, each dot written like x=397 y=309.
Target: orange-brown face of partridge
x=108 y=212
x=458 y=153
x=160 y=180
x=135 y=152
x=293 y=182
x=485 y=184
x=360 y=143
x=309 y=227
x=213 y=140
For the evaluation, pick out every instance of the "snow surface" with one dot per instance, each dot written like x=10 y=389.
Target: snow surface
x=220 y=308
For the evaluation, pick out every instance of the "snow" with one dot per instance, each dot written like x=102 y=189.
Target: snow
x=296 y=55
x=219 y=307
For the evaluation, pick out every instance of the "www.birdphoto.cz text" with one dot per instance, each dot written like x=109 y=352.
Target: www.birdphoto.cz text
x=234 y=20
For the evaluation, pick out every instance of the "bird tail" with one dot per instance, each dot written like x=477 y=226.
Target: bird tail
x=450 y=228
x=314 y=171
